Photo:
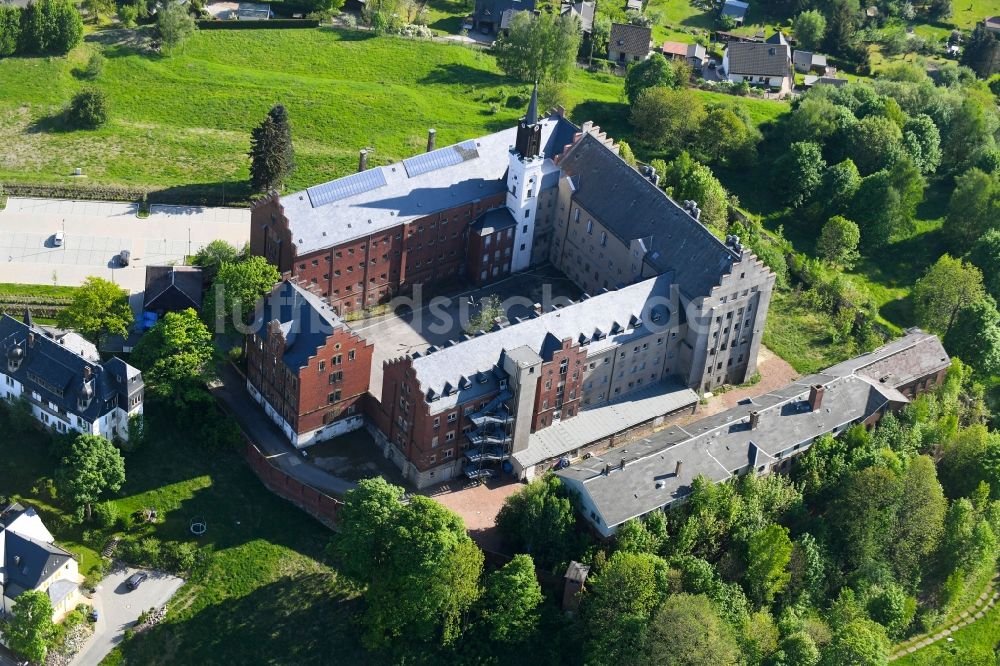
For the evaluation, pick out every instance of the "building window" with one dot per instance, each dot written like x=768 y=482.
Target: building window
x=450 y=437
x=437 y=423
x=452 y=417
x=336 y=360
x=333 y=397
x=322 y=366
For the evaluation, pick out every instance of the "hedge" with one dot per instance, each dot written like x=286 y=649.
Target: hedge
x=272 y=24
x=193 y=195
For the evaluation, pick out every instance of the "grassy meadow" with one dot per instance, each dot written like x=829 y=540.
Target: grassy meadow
x=186 y=119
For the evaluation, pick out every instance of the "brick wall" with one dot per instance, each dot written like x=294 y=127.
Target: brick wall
x=319 y=505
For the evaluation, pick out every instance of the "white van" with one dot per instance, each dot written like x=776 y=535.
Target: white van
x=58 y=240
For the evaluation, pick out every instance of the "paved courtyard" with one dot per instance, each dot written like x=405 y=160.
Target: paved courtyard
x=97 y=231
x=419 y=323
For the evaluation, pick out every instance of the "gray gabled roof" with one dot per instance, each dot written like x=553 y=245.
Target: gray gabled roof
x=386 y=196
x=759 y=59
x=28 y=562
x=57 y=372
x=639 y=477
x=306 y=321
x=449 y=366
x=583 y=11
x=631 y=207
x=628 y=38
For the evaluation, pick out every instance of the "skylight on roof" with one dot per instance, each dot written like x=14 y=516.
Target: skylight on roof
x=441 y=158
x=348 y=186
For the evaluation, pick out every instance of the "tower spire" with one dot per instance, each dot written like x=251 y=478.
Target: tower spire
x=531 y=117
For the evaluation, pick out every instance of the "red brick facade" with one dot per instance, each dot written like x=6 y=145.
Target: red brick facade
x=329 y=387
x=489 y=255
x=373 y=268
x=560 y=385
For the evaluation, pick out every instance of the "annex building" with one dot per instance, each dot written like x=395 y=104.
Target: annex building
x=669 y=310
x=65 y=382
x=759 y=436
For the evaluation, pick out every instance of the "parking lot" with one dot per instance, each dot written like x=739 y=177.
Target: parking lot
x=421 y=323
x=118 y=607
x=96 y=232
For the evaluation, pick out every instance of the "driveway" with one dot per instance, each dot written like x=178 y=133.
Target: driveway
x=118 y=608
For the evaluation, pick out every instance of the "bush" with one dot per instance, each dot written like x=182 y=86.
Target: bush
x=105 y=514
x=142 y=552
x=179 y=556
x=273 y=24
x=128 y=14
x=94 y=66
x=88 y=110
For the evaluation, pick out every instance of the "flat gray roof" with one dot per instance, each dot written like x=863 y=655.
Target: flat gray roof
x=591 y=425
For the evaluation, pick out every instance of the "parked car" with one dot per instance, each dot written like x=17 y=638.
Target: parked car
x=92 y=615
x=135 y=580
x=123 y=257
x=57 y=240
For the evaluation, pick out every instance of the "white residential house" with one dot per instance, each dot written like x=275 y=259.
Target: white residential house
x=30 y=560
x=64 y=381
x=767 y=64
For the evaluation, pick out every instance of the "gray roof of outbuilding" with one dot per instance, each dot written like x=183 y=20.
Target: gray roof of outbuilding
x=62 y=368
x=481 y=354
x=387 y=196
x=631 y=207
x=306 y=321
x=172 y=287
x=760 y=59
x=630 y=38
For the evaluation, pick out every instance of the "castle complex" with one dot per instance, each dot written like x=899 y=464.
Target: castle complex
x=669 y=310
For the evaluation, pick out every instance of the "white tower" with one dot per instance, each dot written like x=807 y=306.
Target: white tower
x=524 y=176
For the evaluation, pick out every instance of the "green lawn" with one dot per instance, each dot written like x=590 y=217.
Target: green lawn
x=185 y=119
x=36 y=290
x=970 y=646
x=262 y=586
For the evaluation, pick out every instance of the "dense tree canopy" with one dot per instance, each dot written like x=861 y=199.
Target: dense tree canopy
x=511 y=601
x=947 y=287
x=809 y=27
x=30 y=629
x=686 y=179
x=687 y=631
x=539 y=48
x=838 y=242
x=666 y=118
x=237 y=287
x=176 y=359
x=653 y=72
x=540 y=520
x=90 y=467
x=974 y=209
x=98 y=308
x=174 y=24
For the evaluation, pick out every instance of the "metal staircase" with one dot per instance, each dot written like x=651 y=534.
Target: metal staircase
x=490 y=440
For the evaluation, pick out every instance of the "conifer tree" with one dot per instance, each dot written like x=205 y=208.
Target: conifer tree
x=271 y=154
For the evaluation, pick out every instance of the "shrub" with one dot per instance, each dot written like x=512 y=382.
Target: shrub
x=105 y=514
x=94 y=66
x=179 y=556
x=128 y=14
x=88 y=110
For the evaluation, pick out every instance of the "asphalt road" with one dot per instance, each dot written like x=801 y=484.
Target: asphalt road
x=118 y=608
x=96 y=232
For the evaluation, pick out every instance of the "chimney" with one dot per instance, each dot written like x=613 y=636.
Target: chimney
x=537 y=308
x=607 y=470
x=86 y=372
x=754 y=419
x=816 y=392
x=621 y=465
x=31 y=339
x=431 y=135
x=362 y=160
x=677 y=468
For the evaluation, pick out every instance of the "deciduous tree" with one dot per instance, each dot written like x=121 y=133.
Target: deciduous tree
x=174 y=24
x=539 y=48
x=236 y=289
x=809 y=27
x=272 y=158
x=98 y=308
x=801 y=170
x=30 y=630
x=176 y=359
x=974 y=209
x=88 y=109
x=510 y=601
x=687 y=631
x=982 y=52
x=838 y=242
x=975 y=336
x=686 y=179
x=947 y=287
x=539 y=520
x=666 y=118
x=90 y=467
x=769 y=552
x=653 y=72
x=10 y=29
x=875 y=143
x=985 y=255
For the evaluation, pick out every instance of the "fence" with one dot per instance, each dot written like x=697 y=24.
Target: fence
x=270 y=24
x=322 y=507
x=207 y=194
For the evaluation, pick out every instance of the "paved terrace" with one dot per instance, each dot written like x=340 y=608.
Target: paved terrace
x=96 y=231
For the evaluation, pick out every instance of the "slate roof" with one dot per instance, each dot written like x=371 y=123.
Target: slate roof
x=631 y=39
x=631 y=208
x=482 y=354
x=492 y=221
x=643 y=475
x=27 y=561
x=492 y=10
x=735 y=8
x=56 y=372
x=758 y=59
x=403 y=198
x=307 y=321
x=808 y=59
x=583 y=11
x=173 y=288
